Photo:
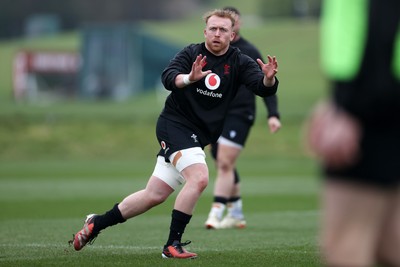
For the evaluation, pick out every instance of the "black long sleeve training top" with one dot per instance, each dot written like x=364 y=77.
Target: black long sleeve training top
x=204 y=104
x=244 y=104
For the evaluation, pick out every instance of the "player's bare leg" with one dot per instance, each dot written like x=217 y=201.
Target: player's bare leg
x=156 y=192
x=226 y=160
x=389 y=245
x=196 y=177
x=224 y=183
x=351 y=223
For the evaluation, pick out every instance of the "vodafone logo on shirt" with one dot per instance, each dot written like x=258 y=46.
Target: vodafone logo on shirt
x=212 y=81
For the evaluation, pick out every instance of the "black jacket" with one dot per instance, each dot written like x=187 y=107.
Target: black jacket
x=244 y=104
x=204 y=108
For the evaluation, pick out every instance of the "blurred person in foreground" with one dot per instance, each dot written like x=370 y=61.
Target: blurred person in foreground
x=226 y=150
x=356 y=134
x=203 y=79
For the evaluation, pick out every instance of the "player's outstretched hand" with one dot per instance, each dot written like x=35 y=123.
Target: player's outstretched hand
x=269 y=69
x=197 y=72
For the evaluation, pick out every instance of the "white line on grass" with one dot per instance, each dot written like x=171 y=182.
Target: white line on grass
x=134 y=248
x=48 y=245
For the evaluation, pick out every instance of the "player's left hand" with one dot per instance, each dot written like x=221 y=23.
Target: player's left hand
x=274 y=124
x=269 y=69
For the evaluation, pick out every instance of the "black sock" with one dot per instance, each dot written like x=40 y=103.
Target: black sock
x=233 y=199
x=237 y=177
x=178 y=224
x=107 y=219
x=222 y=200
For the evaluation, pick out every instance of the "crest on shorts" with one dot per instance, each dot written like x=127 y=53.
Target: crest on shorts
x=194 y=137
x=164 y=147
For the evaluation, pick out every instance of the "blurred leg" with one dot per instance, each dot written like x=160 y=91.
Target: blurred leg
x=226 y=160
x=224 y=183
x=351 y=222
x=235 y=205
x=390 y=239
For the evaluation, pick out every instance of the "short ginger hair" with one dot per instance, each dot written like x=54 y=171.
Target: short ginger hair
x=220 y=13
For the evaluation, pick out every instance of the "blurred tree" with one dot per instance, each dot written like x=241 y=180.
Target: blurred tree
x=296 y=8
x=74 y=13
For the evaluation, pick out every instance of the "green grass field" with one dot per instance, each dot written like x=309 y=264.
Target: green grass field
x=85 y=163
x=41 y=212
x=61 y=161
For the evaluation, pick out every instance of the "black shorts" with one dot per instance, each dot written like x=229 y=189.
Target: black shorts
x=236 y=130
x=379 y=164
x=173 y=136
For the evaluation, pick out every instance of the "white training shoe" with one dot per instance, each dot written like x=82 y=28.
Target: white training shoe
x=231 y=222
x=212 y=223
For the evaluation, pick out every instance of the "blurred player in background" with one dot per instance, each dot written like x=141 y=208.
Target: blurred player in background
x=238 y=122
x=203 y=79
x=356 y=134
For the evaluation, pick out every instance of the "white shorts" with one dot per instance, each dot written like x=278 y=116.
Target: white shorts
x=170 y=172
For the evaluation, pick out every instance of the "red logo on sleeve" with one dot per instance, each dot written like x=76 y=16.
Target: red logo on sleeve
x=227 y=69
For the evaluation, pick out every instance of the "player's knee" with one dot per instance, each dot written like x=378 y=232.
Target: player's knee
x=197 y=176
x=202 y=181
x=156 y=198
x=224 y=165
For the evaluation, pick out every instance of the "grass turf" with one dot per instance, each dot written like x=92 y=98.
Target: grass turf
x=40 y=215
x=61 y=161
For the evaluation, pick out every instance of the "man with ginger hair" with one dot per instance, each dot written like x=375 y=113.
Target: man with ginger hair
x=203 y=79
x=237 y=125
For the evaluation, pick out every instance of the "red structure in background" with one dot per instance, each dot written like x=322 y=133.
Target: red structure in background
x=29 y=65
